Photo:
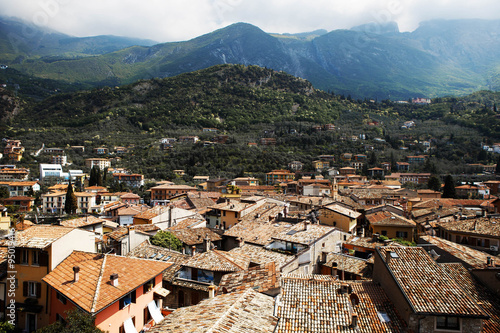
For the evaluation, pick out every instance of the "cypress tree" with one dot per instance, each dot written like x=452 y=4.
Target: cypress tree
x=449 y=187
x=71 y=204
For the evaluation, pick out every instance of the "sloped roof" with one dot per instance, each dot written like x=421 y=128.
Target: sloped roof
x=93 y=291
x=470 y=256
x=194 y=236
x=260 y=255
x=239 y=312
x=83 y=221
x=40 y=236
x=304 y=233
x=488 y=301
x=426 y=285
x=335 y=207
x=479 y=226
x=386 y=218
x=313 y=303
x=260 y=278
x=350 y=264
x=219 y=261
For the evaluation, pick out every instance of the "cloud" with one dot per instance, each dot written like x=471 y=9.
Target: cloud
x=176 y=20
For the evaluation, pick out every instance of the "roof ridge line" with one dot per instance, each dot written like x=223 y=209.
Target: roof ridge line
x=98 y=286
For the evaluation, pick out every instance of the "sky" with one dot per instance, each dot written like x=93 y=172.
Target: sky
x=179 y=20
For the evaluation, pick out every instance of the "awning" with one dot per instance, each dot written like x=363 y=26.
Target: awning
x=155 y=312
x=162 y=292
x=129 y=327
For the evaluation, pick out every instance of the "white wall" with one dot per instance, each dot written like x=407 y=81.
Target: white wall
x=77 y=239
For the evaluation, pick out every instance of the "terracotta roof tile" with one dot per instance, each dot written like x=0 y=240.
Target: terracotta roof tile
x=239 y=312
x=350 y=264
x=386 y=218
x=260 y=255
x=260 y=278
x=479 y=226
x=219 y=261
x=93 y=291
x=304 y=233
x=82 y=222
x=314 y=303
x=194 y=236
x=40 y=236
x=426 y=285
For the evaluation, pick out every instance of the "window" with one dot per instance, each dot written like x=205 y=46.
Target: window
x=147 y=316
x=401 y=234
x=448 y=323
x=60 y=319
x=24 y=257
x=148 y=285
x=32 y=289
x=384 y=232
x=35 y=258
x=127 y=300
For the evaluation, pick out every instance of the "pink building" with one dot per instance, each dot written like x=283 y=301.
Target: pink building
x=123 y=294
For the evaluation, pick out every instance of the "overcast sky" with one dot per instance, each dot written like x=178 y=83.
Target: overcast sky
x=177 y=20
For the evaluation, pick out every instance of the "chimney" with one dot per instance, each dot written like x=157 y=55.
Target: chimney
x=76 y=270
x=388 y=255
x=206 y=243
x=193 y=250
x=240 y=241
x=354 y=320
x=211 y=291
x=114 y=279
x=488 y=261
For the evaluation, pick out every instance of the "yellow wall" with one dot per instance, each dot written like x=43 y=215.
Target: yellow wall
x=392 y=230
x=344 y=223
x=230 y=219
x=29 y=272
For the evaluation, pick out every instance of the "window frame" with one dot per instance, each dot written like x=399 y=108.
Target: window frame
x=447 y=326
x=35 y=254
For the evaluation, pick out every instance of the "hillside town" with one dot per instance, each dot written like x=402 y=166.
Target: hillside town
x=326 y=251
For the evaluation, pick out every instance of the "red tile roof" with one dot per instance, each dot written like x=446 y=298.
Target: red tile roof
x=93 y=291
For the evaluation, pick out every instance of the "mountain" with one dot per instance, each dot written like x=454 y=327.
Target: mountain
x=20 y=40
x=439 y=58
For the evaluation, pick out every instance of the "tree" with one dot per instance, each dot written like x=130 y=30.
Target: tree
x=449 y=187
x=95 y=176
x=71 y=203
x=434 y=183
x=166 y=239
x=373 y=159
x=76 y=321
x=4 y=192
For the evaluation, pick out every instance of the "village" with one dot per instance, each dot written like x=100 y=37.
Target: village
x=327 y=251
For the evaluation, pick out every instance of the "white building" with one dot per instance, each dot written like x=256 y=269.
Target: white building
x=50 y=170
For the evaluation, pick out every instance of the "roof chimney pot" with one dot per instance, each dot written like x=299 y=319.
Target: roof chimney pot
x=114 y=279
x=76 y=270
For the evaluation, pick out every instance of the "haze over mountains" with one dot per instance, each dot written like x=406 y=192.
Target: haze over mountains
x=439 y=58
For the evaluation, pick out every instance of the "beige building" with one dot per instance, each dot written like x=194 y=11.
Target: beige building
x=102 y=163
x=340 y=217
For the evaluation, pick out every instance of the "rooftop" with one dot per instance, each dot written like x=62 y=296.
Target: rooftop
x=243 y=311
x=40 y=236
x=219 y=261
x=350 y=264
x=343 y=210
x=479 y=226
x=313 y=303
x=304 y=233
x=194 y=236
x=426 y=286
x=83 y=221
x=260 y=255
x=93 y=291
x=386 y=218
x=260 y=278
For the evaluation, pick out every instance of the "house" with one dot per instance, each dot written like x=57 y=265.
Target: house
x=428 y=194
x=122 y=294
x=402 y=166
x=430 y=302
x=339 y=216
x=227 y=214
x=347 y=171
x=320 y=165
x=197 y=238
x=13 y=150
x=391 y=225
x=163 y=217
x=100 y=150
x=415 y=178
x=295 y=165
x=307 y=242
x=90 y=223
x=38 y=250
x=473 y=191
x=130 y=199
x=202 y=271
x=268 y=141
x=13 y=174
x=376 y=172
x=245 y=181
x=346 y=157
x=279 y=176
x=346 y=267
x=480 y=233
x=22 y=203
x=264 y=279
x=242 y=311
x=161 y=194
x=133 y=180
x=421 y=100
x=21 y=188
x=416 y=159
x=321 y=303
x=54 y=202
x=53 y=150
x=101 y=163
x=124 y=239
x=51 y=170
x=189 y=139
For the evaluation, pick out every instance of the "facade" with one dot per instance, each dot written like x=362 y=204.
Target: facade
x=101 y=163
x=21 y=188
x=279 y=176
x=481 y=233
x=160 y=195
x=398 y=270
x=54 y=202
x=391 y=225
x=339 y=217
x=60 y=159
x=133 y=180
x=51 y=170
x=39 y=249
x=123 y=294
